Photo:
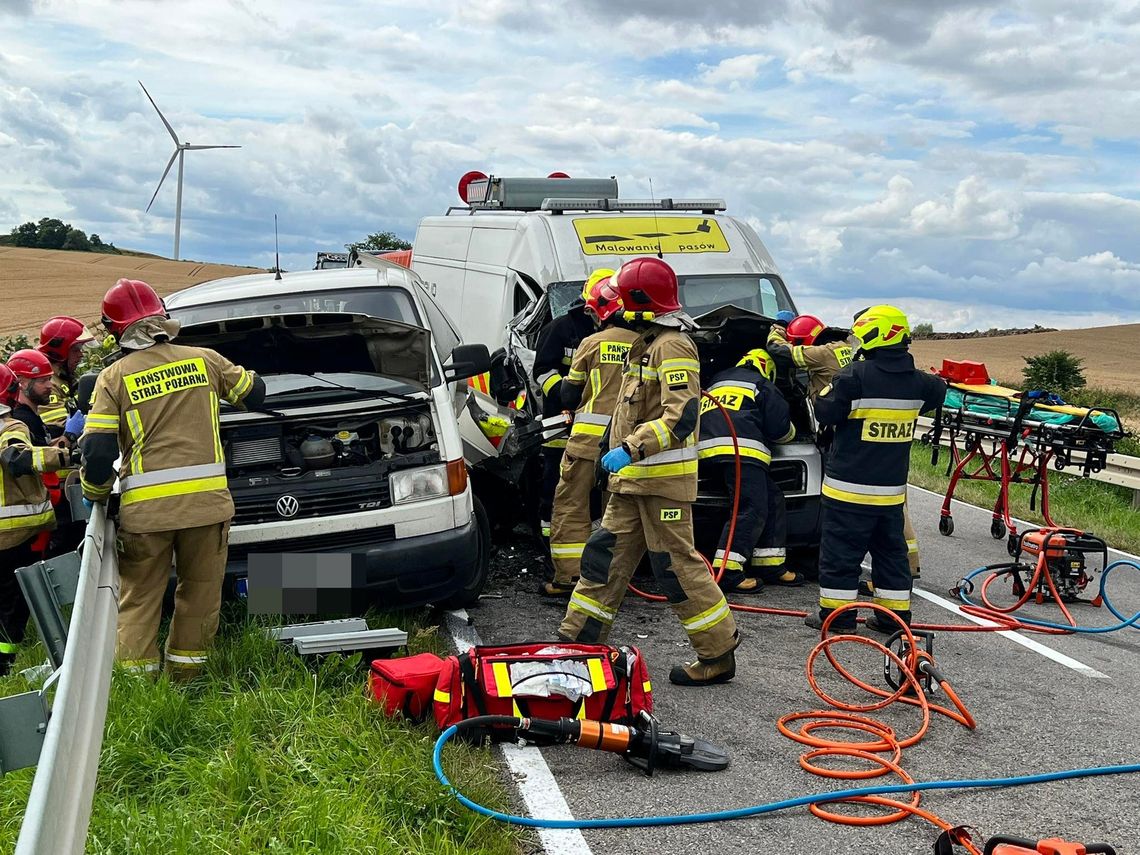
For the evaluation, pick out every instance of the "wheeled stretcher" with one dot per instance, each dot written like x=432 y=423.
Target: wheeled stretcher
x=1011 y=437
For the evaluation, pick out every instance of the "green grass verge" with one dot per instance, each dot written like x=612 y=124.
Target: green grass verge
x=267 y=754
x=1103 y=509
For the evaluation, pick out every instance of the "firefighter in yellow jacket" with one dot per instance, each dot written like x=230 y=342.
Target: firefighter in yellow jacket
x=652 y=459
x=25 y=511
x=157 y=407
x=590 y=391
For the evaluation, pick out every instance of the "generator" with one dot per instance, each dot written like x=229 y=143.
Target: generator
x=1063 y=553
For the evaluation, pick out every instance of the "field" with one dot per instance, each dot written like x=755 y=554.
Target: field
x=39 y=283
x=1108 y=353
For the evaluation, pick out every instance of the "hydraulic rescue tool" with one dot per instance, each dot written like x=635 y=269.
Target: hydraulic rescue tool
x=1002 y=844
x=643 y=745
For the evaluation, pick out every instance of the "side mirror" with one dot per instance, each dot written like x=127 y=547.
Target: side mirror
x=467 y=360
x=85 y=390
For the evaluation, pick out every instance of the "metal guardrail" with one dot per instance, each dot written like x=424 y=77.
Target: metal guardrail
x=1120 y=469
x=59 y=807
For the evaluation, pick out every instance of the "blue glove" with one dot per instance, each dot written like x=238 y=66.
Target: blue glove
x=785 y=316
x=75 y=422
x=87 y=503
x=615 y=459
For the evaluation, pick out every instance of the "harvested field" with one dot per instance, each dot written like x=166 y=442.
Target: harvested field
x=39 y=283
x=1109 y=353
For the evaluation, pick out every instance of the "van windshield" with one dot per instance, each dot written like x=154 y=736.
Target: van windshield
x=701 y=293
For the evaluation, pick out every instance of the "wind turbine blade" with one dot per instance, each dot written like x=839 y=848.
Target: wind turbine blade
x=172 y=134
x=165 y=172
x=204 y=147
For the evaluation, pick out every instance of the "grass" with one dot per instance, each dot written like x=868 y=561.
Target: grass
x=1104 y=509
x=269 y=754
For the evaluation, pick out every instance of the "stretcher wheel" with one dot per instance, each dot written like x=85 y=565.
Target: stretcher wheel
x=946 y=526
x=997 y=530
x=1011 y=545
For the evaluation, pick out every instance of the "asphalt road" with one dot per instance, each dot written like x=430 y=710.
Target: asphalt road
x=1034 y=714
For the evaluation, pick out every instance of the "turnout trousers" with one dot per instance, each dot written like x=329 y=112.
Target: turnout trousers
x=758 y=542
x=13 y=607
x=911 y=543
x=631 y=525
x=144 y=571
x=576 y=504
x=850 y=532
x=551 y=466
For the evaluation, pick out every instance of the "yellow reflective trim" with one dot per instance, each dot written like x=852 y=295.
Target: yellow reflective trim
x=861 y=498
x=829 y=603
x=550 y=383
x=647 y=686
x=178 y=488
x=575 y=376
x=893 y=605
x=441 y=697
x=241 y=387
x=588 y=606
x=581 y=714
x=554 y=443
x=679 y=363
x=707 y=619
x=215 y=426
x=31 y=521
x=884 y=415
x=595 y=388
x=660 y=470
x=134 y=422
x=515 y=711
x=581 y=428
x=101 y=421
x=502 y=679
x=38 y=458
x=770 y=561
x=727 y=450
x=597 y=675
x=663 y=438
x=8 y=647
x=788 y=437
x=94 y=489
x=567 y=550
x=798 y=356
x=53 y=414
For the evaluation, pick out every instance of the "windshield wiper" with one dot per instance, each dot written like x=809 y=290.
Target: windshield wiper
x=329 y=384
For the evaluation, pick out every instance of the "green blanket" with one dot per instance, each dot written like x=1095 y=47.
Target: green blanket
x=996 y=407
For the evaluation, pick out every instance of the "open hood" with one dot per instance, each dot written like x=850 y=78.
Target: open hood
x=325 y=342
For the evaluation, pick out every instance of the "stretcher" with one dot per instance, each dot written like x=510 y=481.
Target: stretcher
x=1010 y=436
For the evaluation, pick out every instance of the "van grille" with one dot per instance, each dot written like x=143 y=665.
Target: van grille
x=342 y=541
x=254 y=507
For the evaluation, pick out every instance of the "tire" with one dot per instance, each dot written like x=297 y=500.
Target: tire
x=946 y=526
x=1011 y=546
x=997 y=529
x=469 y=595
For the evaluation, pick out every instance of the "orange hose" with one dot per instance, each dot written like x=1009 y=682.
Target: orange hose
x=883 y=739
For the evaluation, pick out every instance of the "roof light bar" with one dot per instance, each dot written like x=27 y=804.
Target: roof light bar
x=707 y=206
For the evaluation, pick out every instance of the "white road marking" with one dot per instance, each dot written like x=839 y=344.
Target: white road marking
x=1017 y=638
x=535 y=781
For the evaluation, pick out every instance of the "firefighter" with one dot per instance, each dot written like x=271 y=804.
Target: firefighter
x=820 y=350
x=600 y=362
x=62 y=340
x=25 y=510
x=759 y=417
x=652 y=458
x=157 y=405
x=873 y=404
x=552 y=357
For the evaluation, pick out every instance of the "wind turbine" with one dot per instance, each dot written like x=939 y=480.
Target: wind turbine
x=180 y=149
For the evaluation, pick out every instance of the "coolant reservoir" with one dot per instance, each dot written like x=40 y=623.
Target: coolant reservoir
x=317 y=451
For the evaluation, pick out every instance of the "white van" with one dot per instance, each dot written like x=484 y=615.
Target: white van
x=519 y=250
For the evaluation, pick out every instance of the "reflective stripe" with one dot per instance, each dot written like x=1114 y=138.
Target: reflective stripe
x=900 y=594
x=101 y=421
x=798 y=356
x=664 y=439
x=884 y=415
x=707 y=619
x=886 y=404
x=644 y=372
x=441 y=697
x=219 y=455
x=576 y=376
x=768 y=552
x=581 y=603
x=38 y=458
x=53 y=414
x=187 y=657
x=788 y=437
x=548 y=380
x=139 y=666
x=647 y=687
x=677 y=461
x=735 y=560
x=597 y=675
x=566 y=550
x=587 y=430
x=595 y=388
x=567 y=351
x=845 y=594
x=178 y=488
x=592 y=419
x=167 y=476
x=25 y=516
x=863 y=494
x=134 y=422
x=748 y=389
x=912 y=546
x=94 y=489
x=502 y=679
x=678 y=364
x=771 y=561
x=893 y=605
x=8 y=647
x=241 y=387
x=722 y=446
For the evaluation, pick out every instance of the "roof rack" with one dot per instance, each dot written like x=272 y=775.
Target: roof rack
x=705 y=206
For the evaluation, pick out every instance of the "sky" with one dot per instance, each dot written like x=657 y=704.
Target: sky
x=972 y=162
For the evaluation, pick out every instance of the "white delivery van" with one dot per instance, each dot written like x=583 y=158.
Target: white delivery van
x=518 y=251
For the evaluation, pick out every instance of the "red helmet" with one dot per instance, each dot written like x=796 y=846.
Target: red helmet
x=9 y=388
x=804 y=329
x=59 y=334
x=29 y=364
x=604 y=300
x=127 y=301
x=647 y=286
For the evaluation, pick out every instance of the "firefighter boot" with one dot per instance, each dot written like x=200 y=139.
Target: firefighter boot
x=845 y=623
x=881 y=623
x=705 y=672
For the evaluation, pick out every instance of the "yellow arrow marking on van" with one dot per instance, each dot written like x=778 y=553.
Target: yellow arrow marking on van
x=634 y=235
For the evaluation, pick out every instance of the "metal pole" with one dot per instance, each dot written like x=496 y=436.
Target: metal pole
x=178 y=204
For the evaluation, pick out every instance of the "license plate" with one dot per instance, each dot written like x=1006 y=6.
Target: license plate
x=241 y=587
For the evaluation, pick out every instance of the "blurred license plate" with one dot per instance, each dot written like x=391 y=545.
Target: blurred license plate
x=241 y=587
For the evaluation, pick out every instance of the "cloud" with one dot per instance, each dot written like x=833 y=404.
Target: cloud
x=735 y=69
x=974 y=212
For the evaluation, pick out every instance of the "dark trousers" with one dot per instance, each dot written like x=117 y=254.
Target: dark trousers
x=761 y=524
x=13 y=607
x=850 y=532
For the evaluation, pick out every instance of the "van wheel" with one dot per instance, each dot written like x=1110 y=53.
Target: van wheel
x=469 y=595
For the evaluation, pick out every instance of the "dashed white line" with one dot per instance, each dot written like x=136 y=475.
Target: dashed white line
x=536 y=783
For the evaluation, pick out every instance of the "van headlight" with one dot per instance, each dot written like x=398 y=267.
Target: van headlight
x=414 y=485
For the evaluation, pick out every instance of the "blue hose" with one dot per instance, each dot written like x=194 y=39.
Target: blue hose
x=758 y=810
x=1087 y=630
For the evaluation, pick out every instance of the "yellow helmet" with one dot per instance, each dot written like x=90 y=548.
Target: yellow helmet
x=881 y=326
x=595 y=277
x=759 y=359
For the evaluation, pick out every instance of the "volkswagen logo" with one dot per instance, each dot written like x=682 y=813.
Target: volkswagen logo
x=287 y=506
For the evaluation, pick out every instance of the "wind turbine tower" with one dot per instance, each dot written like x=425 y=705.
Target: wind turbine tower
x=180 y=149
